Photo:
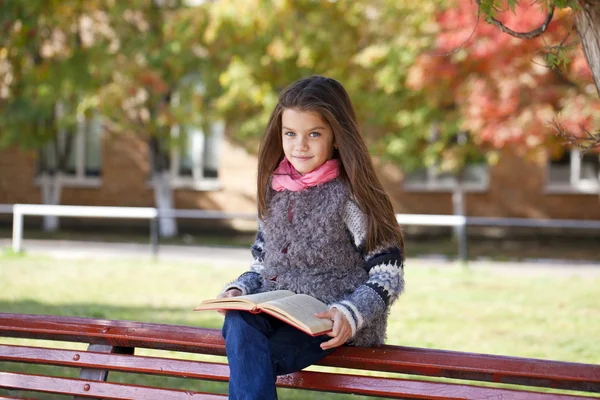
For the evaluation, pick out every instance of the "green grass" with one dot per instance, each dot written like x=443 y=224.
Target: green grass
x=529 y=315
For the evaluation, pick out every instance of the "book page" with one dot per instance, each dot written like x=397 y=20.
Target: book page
x=258 y=298
x=247 y=302
x=301 y=309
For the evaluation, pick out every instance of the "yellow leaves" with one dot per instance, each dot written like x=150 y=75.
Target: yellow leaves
x=388 y=78
x=306 y=58
x=240 y=85
x=175 y=46
x=397 y=146
x=404 y=118
x=372 y=55
x=237 y=70
x=237 y=16
x=88 y=104
x=279 y=50
x=493 y=157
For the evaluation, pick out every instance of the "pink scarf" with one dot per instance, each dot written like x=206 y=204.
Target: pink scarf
x=286 y=176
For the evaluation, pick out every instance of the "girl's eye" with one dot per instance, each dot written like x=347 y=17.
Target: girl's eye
x=314 y=134
x=289 y=134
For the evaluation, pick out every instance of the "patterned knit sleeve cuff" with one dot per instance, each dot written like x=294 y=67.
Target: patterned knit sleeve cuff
x=234 y=285
x=249 y=282
x=351 y=313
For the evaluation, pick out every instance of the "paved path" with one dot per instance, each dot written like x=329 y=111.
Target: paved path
x=70 y=249
x=236 y=256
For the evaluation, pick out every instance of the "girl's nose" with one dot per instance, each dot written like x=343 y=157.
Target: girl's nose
x=302 y=143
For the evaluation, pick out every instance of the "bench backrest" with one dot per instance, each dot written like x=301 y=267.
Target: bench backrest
x=111 y=345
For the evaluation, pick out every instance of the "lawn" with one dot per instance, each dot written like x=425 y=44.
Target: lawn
x=541 y=315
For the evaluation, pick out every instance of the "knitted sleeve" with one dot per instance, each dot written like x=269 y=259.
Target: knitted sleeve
x=386 y=275
x=250 y=281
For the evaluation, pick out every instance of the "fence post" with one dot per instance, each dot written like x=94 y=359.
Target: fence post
x=462 y=243
x=17 y=229
x=458 y=207
x=154 y=235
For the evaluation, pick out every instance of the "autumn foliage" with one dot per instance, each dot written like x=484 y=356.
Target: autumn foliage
x=501 y=87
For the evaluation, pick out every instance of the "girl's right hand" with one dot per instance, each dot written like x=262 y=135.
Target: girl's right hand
x=230 y=293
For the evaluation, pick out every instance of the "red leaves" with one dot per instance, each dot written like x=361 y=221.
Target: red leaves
x=153 y=82
x=500 y=85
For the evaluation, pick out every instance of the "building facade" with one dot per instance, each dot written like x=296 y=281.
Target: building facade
x=214 y=173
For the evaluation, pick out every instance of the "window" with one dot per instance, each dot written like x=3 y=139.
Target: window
x=195 y=160
x=475 y=179
x=574 y=172
x=84 y=163
x=431 y=179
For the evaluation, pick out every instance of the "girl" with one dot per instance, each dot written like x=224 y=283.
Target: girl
x=326 y=228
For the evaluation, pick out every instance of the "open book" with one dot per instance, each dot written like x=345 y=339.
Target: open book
x=295 y=309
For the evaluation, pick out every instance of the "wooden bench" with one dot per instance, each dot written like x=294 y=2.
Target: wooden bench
x=111 y=346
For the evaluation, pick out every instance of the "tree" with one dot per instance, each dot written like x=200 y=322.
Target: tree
x=587 y=26
x=51 y=64
x=502 y=92
x=161 y=84
x=500 y=89
x=135 y=62
x=358 y=42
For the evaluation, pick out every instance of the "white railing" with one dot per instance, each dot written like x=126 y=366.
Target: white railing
x=20 y=210
x=153 y=215
x=431 y=219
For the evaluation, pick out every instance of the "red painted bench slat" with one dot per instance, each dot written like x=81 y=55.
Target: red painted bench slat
x=428 y=362
x=112 y=344
x=341 y=383
x=89 y=388
x=116 y=362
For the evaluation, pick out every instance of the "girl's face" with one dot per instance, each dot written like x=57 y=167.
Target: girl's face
x=307 y=139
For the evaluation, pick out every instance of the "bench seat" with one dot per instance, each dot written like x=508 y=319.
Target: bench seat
x=111 y=347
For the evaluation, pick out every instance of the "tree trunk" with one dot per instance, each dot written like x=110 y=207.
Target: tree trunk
x=587 y=22
x=163 y=191
x=458 y=208
x=163 y=198
x=51 y=191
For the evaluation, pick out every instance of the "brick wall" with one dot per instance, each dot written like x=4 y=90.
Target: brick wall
x=516 y=189
x=516 y=186
x=17 y=170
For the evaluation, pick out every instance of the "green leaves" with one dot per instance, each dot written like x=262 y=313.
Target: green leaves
x=368 y=46
x=50 y=52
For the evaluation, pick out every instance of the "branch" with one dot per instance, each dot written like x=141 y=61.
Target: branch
x=589 y=141
x=558 y=58
x=522 y=35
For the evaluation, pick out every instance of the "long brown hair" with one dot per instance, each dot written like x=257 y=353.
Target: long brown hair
x=328 y=97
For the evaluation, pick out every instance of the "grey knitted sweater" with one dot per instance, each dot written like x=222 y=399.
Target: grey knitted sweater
x=312 y=242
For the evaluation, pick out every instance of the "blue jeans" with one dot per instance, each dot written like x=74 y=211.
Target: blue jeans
x=260 y=347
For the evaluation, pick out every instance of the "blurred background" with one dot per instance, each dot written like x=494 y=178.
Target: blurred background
x=159 y=106
x=162 y=103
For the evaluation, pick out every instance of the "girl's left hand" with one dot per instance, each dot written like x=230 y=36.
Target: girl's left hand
x=341 y=331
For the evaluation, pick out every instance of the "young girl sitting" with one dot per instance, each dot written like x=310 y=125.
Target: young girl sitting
x=326 y=229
